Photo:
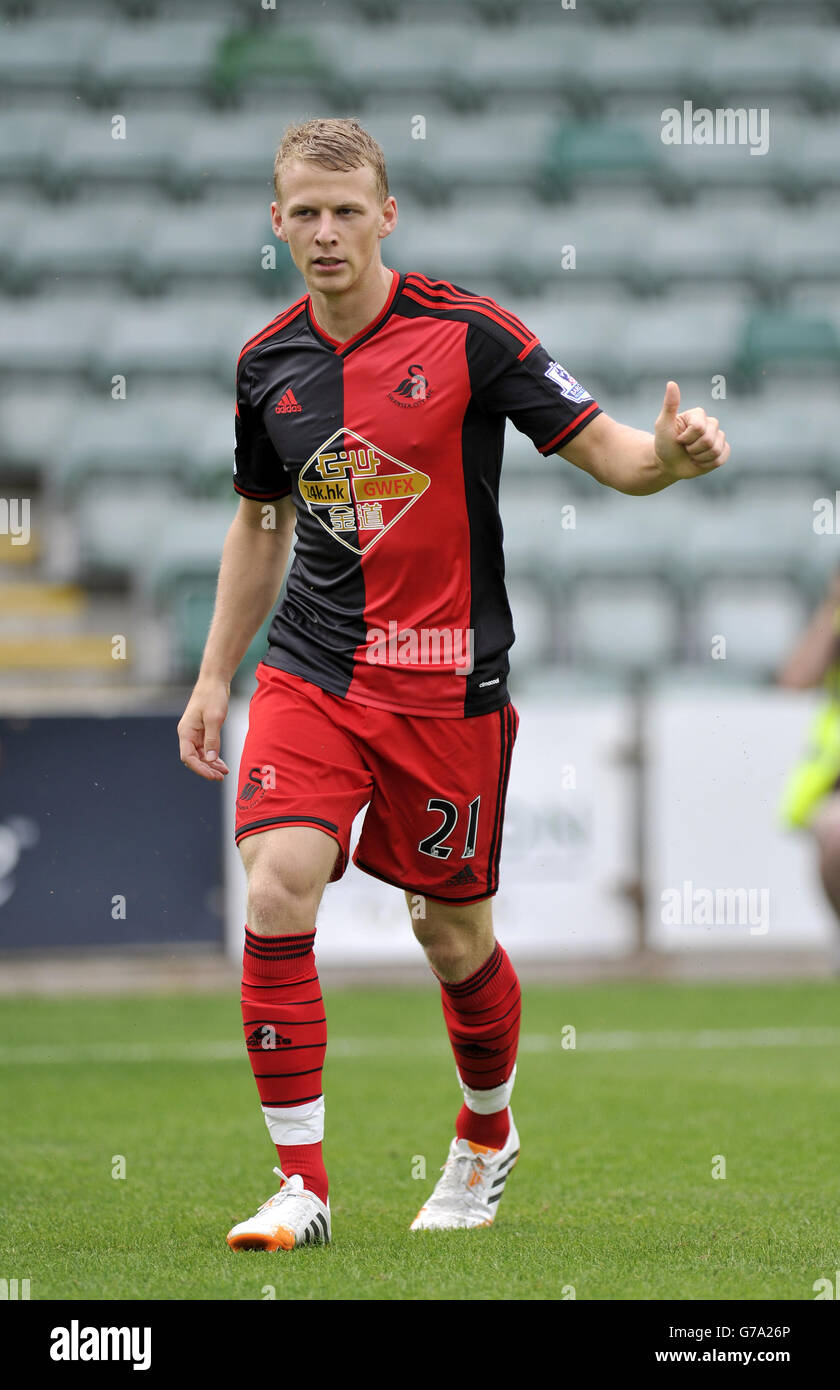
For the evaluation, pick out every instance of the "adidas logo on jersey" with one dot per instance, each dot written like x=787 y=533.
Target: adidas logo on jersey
x=287 y=404
x=464 y=875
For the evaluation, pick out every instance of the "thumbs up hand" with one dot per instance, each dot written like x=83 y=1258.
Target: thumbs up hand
x=689 y=442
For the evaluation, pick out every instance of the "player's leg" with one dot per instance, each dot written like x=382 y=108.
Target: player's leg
x=826 y=826
x=301 y=783
x=282 y=1005
x=285 y=1028
x=481 y=1000
x=434 y=827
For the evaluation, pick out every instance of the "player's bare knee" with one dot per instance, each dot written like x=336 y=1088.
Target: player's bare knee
x=448 y=958
x=287 y=874
x=455 y=958
x=454 y=947
x=285 y=886
x=277 y=908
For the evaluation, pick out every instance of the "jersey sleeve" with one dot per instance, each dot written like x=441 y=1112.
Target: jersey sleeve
x=520 y=380
x=258 y=471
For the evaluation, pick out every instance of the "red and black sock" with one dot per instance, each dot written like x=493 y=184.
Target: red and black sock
x=286 y=1037
x=482 y=1016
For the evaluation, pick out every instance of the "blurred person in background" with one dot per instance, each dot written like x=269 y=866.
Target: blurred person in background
x=811 y=797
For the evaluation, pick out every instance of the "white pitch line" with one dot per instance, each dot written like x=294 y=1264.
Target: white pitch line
x=233 y=1050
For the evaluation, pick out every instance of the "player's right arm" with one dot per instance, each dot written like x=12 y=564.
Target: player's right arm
x=254 y=559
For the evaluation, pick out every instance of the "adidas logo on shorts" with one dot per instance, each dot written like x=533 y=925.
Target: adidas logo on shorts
x=464 y=875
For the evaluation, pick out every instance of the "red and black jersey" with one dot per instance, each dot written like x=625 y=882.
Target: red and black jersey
x=391 y=446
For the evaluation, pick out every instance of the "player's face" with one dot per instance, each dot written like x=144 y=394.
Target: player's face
x=333 y=222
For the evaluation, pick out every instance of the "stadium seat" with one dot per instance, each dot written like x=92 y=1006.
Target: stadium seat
x=49 y=53
x=801 y=162
x=90 y=239
x=28 y=136
x=191 y=244
x=393 y=58
x=760 y=622
x=779 y=338
x=763 y=65
x=38 y=451
x=755 y=537
x=164 y=436
x=547 y=532
x=55 y=334
x=632 y=624
x=767 y=443
x=167 y=55
x=580 y=153
x=85 y=155
x=262 y=60
x=190 y=608
x=473 y=153
x=661 y=339
x=234 y=150
x=186 y=337
x=533 y=620
x=187 y=544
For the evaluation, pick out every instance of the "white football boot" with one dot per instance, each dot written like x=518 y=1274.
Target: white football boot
x=290 y=1218
x=473 y=1181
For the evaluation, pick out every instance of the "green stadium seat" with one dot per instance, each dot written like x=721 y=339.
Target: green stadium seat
x=583 y=152
x=190 y=609
x=782 y=339
x=265 y=60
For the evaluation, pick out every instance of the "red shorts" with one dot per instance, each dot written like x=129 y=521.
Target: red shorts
x=435 y=787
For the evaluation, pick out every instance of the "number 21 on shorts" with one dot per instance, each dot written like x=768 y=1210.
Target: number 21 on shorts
x=435 y=844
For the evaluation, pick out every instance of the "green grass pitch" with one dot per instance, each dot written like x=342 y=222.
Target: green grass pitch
x=613 y=1197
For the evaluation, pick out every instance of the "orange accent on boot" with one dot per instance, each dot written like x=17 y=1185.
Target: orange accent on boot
x=283 y=1239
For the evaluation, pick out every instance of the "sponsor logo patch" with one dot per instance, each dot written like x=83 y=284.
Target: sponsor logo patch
x=356 y=491
x=571 y=389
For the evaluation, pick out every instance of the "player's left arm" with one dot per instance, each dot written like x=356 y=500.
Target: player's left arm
x=684 y=444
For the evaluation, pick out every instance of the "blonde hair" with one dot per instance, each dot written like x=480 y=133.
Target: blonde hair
x=334 y=143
